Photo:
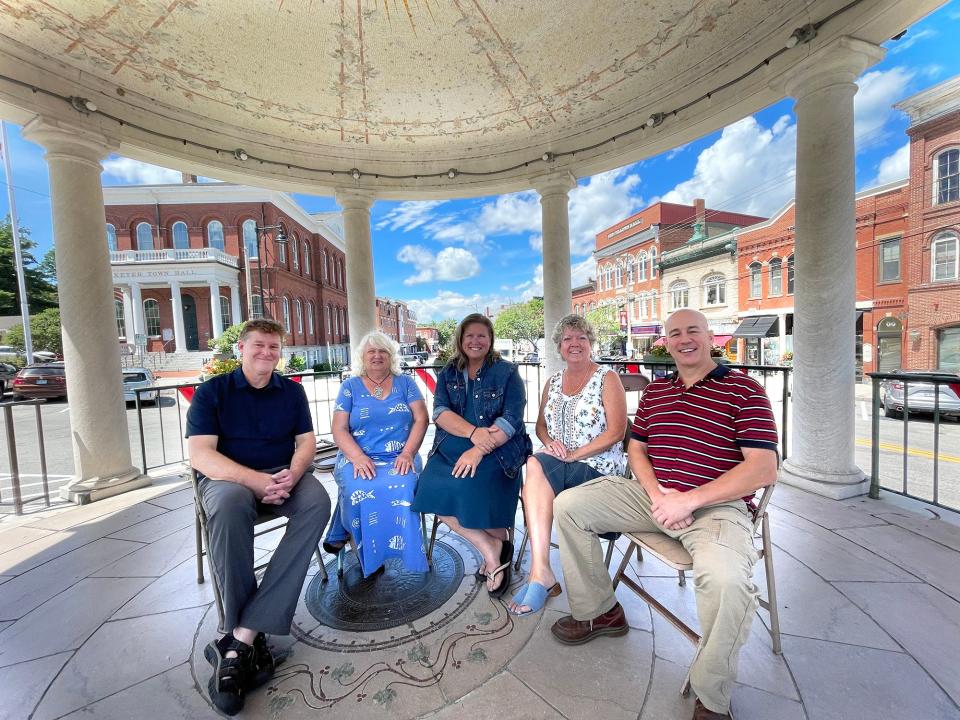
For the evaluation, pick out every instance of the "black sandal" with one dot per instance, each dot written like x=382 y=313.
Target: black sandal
x=506 y=554
x=504 y=570
x=227 y=685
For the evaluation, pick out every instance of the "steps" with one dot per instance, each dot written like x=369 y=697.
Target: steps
x=168 y=362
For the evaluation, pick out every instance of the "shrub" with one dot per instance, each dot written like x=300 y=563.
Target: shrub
x=225 y=342
x=219 y=367
x=659 y=351
x=296 y=364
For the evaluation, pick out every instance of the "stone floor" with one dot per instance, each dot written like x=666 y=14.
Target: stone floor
x=101 y=617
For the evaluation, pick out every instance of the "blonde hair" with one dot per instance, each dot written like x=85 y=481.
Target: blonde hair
x=459 y=359
x=574 y=322
x=378 y=340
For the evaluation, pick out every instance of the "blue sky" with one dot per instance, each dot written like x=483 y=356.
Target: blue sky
x=454 y=257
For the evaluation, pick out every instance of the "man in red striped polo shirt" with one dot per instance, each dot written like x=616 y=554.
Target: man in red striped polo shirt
x=703 y=441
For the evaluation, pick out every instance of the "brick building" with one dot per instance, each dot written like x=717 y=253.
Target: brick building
x=932 y=331
x=430 y=335
x=174 y=247
x=396 y=320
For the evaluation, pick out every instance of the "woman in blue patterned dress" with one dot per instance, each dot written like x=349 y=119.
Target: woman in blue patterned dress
x=379 y=421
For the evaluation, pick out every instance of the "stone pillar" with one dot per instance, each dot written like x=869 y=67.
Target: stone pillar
x=98 y=415
x=215 y=315
x=361 y=293
x=235 y=315
x=179 y=333
x=136 y=299
x=128 y=328
x=557 y=296
x=821 y=457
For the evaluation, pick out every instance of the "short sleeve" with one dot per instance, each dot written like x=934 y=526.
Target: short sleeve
x=639 y=430
x=202 y=417
x=412 y=393
x=754 y=423
x=344 y=402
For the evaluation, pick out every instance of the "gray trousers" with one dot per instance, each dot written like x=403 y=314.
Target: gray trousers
x=720 y=541
x=231 y=511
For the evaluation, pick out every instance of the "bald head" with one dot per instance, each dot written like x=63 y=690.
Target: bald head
x=685 y=318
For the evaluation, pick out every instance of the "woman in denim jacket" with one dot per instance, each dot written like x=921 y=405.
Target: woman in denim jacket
x=472 y=477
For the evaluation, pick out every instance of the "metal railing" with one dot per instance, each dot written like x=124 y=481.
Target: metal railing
x=919 y=414
x=13 y=456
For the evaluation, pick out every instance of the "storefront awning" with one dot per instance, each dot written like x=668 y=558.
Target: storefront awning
x=720 y=340
x=757 y=327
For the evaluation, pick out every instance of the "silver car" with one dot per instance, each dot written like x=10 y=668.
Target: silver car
x=137 y=379
x=922 y=396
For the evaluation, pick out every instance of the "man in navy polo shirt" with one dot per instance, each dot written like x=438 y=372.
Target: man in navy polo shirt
x=703 y=441
x=251 y=441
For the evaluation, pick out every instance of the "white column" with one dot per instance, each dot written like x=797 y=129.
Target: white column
x=361 y=293
x=176 y=301
x=557 y=296
x=98 y=415
x=215 y=313
x=821 y=456
x=235 y=304
x=136 y=299
x=128 y=328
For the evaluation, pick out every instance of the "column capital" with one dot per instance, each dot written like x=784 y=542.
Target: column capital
x=354 y=199
x=838 y=62
x=560 y=182
x=65 y=141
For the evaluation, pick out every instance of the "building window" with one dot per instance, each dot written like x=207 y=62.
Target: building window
x=225 y=315
x=306 y=259
x=310 y=318
x=943 y=253
x=144 y=236
x=790 y=275
x=629 y=271
x=286 y=314
x=181 y=238
x=329 y=325
x=295 y=252
x=608 y=277
x=323 y=261
x=111 y=238
x=948 y=176
x=341 y=273
x=642 y=267
x=118 y=313
x=257 y=306
x=282 y=252
x=653 y=306
x=653 y=263
x=343 y=320
x=679 y=295
x=151 y=313
x=215 y=235
x=756 y=280
x=336 y=321
x=890 y=260
x=619 y=275
x=249 y=230
x=776 y=277
x=298 y=308
x=715 y=290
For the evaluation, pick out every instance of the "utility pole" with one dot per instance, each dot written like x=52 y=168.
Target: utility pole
x=17 y=253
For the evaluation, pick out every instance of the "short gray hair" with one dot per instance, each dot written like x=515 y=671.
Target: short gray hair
x=380 y=341
x=574 y=322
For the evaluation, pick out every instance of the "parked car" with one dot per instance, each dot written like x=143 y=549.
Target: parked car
x=922 y=396
x=345 y=372
x=45 y=356
x=138 y=378
x=532 y=358
x=43 y=380
x=412 y=360
x=7 y=373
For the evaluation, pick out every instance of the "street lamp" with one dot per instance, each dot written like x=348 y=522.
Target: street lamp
x=281 y=240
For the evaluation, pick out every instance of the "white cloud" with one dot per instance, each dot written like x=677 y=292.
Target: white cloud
x=873 y=103
x=536 y=242
x=447 y=304
x=600 y=203
x=449 y=230
x=451 y=263
x=533 y=286
x=749 y=169
x=409 y=215
x=134 y=172
x=911 y=39
x=895 y=166
x=582 y=272
x=511 y=214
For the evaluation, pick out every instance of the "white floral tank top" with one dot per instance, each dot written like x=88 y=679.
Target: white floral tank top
x=577 y=419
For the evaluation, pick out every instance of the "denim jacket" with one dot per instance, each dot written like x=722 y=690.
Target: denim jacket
x=502 y=401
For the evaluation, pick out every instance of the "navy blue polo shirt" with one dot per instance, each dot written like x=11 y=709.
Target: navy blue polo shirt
x=255 y=427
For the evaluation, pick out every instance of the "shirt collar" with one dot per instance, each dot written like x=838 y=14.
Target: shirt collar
x=240 y=380
x=718 y=371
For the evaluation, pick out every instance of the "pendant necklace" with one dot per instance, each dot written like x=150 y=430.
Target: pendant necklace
x=378 y=391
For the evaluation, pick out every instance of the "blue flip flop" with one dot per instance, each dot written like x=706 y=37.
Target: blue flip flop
x=536 y=596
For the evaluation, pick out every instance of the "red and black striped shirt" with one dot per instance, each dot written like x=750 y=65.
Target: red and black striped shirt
x=695 y=434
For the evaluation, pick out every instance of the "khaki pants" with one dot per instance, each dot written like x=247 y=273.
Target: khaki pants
x=719 y=541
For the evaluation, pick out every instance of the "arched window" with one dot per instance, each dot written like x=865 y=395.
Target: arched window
x=257 y=306
x=151 y=313
x=653 y=263
x=776 y=277
x=249 y=230
x=947 y=183
x=943 y=257
x=756 y=280
x=111 y=238
x=286 y=314
x=679 y=294
x=336 y=321
x=295 y=251
x=310 y=318
x=144 y=236
x=298 y=308
x=282 y=249
x=715 y=290
x=790 y=275
x=328 y=327
x=306 y=258
x=619 y=275
x=225 y=314
x=326 y=270
x=593 y=306
x=118 y=313
x=343 y=321
x=215 y=235
x=629 y=271
x=181 y=238
x=642 y=266
x=342 y=274
x=609 y=277
x=653 y=306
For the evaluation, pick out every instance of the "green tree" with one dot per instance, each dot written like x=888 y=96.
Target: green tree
x=445 y=331
x=41 y=293
x=523 y=321
x=605 y=323
x=45 y=330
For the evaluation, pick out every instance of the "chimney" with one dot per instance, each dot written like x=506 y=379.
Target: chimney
x=699 y=211
x=188 y=179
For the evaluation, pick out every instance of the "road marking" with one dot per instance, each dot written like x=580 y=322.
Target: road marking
x=893 y=447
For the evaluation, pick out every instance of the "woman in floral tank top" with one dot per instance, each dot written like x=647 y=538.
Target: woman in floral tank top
x=583 y=417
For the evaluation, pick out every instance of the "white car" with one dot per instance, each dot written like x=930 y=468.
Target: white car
x=137 y=379
x=410 y=361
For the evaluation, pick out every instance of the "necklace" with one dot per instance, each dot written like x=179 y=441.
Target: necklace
x=580 y=385
x=378 y=391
